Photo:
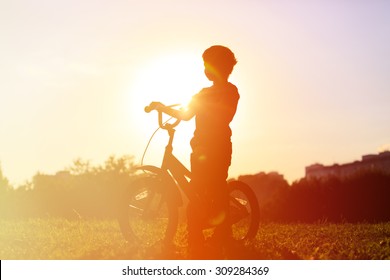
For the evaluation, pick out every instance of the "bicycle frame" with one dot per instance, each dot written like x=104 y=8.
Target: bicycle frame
x=170 y=183
x=171 y=166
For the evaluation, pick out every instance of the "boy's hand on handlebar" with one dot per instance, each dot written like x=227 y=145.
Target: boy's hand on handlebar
x=154 y=106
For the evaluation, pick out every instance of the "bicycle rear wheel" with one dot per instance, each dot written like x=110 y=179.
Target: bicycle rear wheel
x=244 y=211
x=147 y=216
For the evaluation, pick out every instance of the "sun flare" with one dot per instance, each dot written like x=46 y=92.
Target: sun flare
x=170 y=79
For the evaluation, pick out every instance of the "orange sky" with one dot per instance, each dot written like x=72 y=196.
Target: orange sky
x=313 y=79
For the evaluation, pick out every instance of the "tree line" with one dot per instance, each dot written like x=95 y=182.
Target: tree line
x=80 y=191
x=86 y=191
x=362 y=197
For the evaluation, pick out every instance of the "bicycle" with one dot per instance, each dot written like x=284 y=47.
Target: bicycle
x=149 y=210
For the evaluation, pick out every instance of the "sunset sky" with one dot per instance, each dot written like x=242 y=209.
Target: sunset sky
x=314 y=79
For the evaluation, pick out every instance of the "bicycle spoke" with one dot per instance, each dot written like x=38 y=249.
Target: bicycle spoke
x=148 y=217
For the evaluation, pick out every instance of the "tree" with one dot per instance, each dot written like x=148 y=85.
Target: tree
x=4 y=183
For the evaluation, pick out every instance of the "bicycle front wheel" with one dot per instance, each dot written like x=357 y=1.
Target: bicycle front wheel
x=147 y=216
x=244 y=211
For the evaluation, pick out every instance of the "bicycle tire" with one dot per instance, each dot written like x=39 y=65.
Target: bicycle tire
x=147 y=215
x=243 y=211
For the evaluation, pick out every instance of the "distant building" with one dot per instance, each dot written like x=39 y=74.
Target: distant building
x=379 y=162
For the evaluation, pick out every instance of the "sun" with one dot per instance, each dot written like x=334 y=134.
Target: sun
x=169 y=78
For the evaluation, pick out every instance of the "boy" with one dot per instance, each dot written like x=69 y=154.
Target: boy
x=214 y=108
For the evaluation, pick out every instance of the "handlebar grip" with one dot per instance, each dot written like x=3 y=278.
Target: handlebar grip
x=148 y=109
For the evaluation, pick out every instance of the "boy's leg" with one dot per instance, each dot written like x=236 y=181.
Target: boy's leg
x=209 y=174
x=221 y=205
x=195 y=231
x=220 y=196
x=196 y=209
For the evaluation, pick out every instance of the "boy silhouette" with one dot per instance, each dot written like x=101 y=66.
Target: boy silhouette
x=213 y=108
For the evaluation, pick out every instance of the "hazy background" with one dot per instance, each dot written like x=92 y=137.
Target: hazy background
x=75 y=76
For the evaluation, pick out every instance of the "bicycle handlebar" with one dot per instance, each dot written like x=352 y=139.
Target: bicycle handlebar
x=163 y=125
x=148 y=109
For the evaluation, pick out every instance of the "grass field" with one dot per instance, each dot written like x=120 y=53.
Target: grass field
x=87 y=239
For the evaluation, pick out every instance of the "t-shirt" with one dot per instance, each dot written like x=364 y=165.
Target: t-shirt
x=214 y=109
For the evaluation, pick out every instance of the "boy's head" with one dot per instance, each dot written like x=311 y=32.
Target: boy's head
x=218 y=62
